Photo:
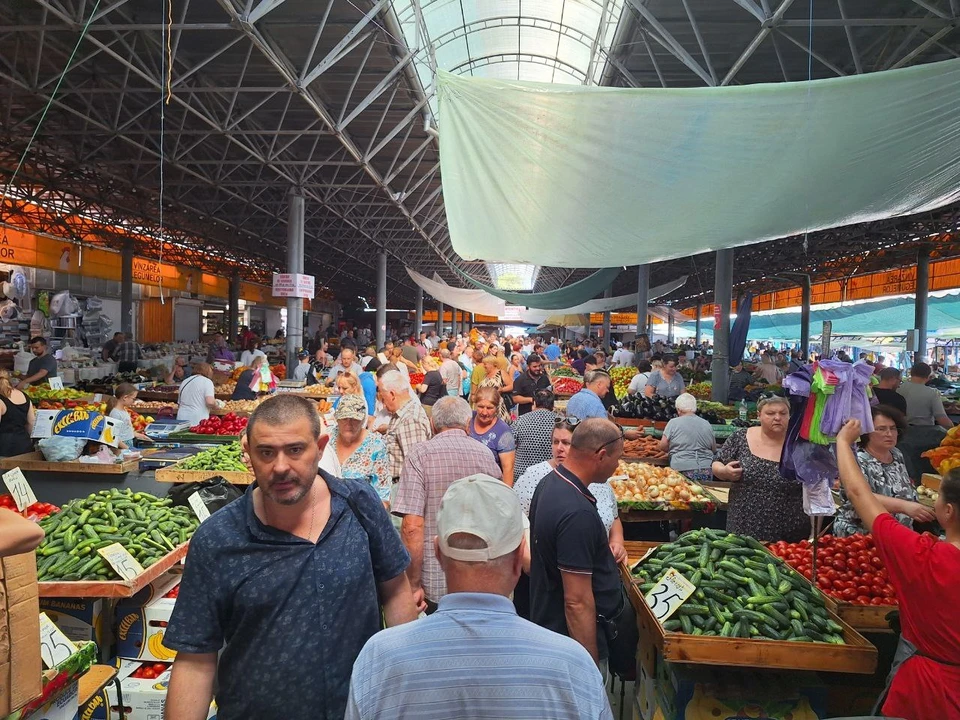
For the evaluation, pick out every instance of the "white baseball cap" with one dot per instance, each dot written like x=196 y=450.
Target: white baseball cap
x=619 y=344
x=485 y=507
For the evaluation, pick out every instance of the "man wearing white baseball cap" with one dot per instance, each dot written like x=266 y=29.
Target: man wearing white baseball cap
x=461 y=662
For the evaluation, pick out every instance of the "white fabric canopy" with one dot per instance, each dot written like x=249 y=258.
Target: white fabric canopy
x=593 y=177
x=534 y=315
x=475 y=301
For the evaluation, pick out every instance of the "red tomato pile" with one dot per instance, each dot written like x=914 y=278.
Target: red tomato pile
x=150 y=671
x=228 y=424
x=37 y=511
x=848 y=568
x=416 y=378
x=174 y=592
x=567 y=386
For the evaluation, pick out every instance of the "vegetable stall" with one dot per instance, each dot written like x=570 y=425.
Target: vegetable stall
x=749 y=637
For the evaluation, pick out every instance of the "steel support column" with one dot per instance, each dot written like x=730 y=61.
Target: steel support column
x=606 y=319
x=723 y=296
x=805 y=296
x=439 y=326
x=295 y=220
x=418 y=313
x=670 y=326
x=922 y=303
x=699 y=313
x=382 y=299
x=473 y=320
x=233 y=308
x=643 y=298
x=126 y=288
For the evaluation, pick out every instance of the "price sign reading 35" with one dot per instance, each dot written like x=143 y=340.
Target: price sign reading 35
x=669 y=594
x=55 y=647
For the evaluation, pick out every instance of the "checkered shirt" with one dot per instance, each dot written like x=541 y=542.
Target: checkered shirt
x=428 y=470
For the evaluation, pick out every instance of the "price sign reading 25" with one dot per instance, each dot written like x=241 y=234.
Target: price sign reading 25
x=669 y=594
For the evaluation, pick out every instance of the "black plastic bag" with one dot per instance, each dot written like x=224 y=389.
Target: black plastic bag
x=215 y=493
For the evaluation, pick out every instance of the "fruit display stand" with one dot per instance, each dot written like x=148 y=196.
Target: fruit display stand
x=113 y=588
x=35 y=462
x=856 y=656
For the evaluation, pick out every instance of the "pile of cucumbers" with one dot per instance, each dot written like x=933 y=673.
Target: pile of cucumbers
x=147 y=526
x=742 y=591
x=227 y=458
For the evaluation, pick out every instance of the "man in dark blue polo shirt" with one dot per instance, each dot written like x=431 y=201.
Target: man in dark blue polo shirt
x=286 y=580
x=573 y=574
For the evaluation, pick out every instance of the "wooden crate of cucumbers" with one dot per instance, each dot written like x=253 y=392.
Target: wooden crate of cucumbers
x=154 y=532
x=225 y=461
x=771 y=618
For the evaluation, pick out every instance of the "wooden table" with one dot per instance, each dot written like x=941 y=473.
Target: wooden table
x=35 y=462
x=95 y=680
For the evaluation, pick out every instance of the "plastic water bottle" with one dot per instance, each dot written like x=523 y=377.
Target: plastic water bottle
x=743 y=410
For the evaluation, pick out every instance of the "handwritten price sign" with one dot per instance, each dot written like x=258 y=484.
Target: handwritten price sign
x=55 y=647
x=669 y=594
x=199 y=509
x=56 y=383
x=19 y=488
x=121 y=560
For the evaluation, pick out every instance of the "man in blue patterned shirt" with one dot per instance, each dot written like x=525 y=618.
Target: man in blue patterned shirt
x=474 y=657
x=286 y=582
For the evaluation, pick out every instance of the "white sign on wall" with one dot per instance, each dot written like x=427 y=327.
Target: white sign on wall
x=293 y=285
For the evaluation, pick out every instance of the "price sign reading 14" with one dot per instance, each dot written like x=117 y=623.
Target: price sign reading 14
x=19 y=488
x=669 y=594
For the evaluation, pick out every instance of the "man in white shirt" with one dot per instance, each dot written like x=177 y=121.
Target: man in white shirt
x=622 y=357
x=346 y=363
x=451 y=372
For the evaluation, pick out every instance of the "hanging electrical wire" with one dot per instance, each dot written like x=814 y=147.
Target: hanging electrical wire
x=166 y=93
x=43 y=115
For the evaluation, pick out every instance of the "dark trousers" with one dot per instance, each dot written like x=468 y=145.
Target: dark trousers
x=128 y=366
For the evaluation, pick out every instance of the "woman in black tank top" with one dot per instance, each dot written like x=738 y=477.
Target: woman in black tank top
x=16 y=419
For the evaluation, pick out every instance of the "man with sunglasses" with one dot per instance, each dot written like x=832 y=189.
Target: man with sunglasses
x=575 y=587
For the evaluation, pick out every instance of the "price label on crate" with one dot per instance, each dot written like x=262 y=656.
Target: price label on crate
x=98 y=397
x=669 y=594
x=56 y=383
x=199 y=509
x=121 y=560
x=55 y=647
x=20 y=489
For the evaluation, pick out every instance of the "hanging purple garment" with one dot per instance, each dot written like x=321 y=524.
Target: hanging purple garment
x=797 y=385
x=836 y=409
x=859 y=401
x=850 y=398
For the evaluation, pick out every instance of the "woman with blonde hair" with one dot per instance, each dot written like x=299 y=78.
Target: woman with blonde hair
x=496 y=378
x=433 y=386
x=348 y=384
x=16 y=419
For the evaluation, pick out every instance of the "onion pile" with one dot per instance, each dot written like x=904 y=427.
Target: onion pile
x=639 y=482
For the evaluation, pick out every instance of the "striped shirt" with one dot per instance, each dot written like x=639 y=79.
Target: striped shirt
x=475 y=658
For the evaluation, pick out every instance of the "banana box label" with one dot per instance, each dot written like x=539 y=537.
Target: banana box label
x=141 y=621
x=84 y=424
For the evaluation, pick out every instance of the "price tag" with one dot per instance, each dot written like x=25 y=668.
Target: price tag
x=669 y=594
x=56 y=383
x=98 y=397
x=55 y=647
x=647 y=554
x=199 y=509
x=20 y=489
x=121 y=560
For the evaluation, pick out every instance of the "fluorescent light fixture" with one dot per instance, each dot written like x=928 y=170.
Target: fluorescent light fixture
x=513 y=276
